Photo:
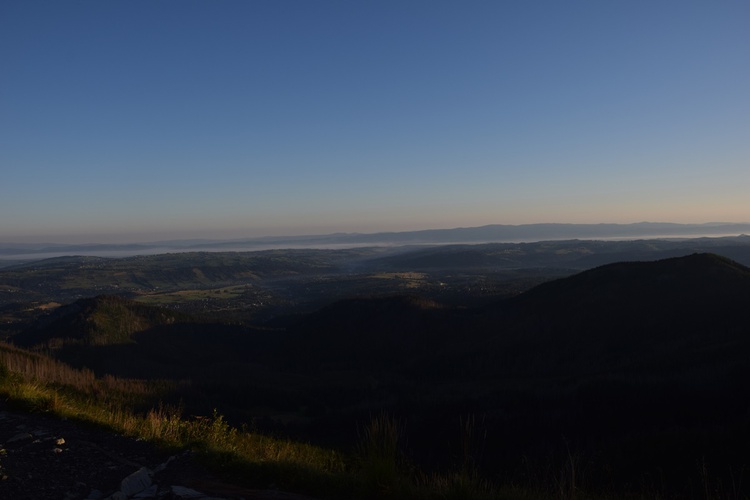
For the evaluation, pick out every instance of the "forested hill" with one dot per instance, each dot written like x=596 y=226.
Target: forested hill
x=101 y=320
x=627 y=316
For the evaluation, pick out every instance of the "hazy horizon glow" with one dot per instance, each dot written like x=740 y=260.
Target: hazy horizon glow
x=124 y=121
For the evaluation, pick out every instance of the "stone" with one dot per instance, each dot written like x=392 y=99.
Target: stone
x=149 y=492
x=186 y=493
x=136 y=482
x=95 y=495
x=23 y=436
x=117 y=495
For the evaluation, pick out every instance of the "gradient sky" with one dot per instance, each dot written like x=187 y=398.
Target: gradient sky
x=150 y=120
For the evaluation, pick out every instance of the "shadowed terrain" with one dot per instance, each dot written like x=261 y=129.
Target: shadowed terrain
x=639 y=370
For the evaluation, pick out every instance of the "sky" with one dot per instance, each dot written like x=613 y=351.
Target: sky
x=133 y=120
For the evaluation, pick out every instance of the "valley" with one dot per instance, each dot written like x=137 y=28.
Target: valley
x=611 y=368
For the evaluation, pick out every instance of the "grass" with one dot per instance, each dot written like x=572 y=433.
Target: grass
x=379 y=468
x=34 y=382
x=381 y=463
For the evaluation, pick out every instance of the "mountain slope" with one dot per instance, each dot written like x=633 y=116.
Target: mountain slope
x=638 y=315
x=102 y=320
x=700 y=275
x=644 y=366
x=368 y=334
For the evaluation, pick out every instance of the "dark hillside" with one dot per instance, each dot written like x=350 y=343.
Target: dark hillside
x=643 y=368
x=644 y=363
x=681 y=277
x=216 y=364
x=369 y=334
x=102 y=320
x=123 y=337
x=622 y=314
x=612 y=313
x=681 y=320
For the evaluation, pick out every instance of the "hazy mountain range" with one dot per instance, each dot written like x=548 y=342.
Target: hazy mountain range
x=483 y=234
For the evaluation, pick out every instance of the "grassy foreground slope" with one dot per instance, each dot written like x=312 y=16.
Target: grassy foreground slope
x=37 y=383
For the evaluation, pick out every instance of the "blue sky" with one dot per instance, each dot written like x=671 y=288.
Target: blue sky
x=149 y=120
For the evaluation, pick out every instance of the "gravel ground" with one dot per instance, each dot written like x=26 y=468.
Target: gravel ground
x=42 y=457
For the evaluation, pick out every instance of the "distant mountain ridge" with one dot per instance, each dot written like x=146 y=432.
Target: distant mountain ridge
x=482 y=234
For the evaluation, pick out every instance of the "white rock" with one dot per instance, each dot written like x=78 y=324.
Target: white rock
x=95 y=495
x=118 y=495
x=136 y=482
x=149 y=492
x=186 y=493
x=24 y=436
